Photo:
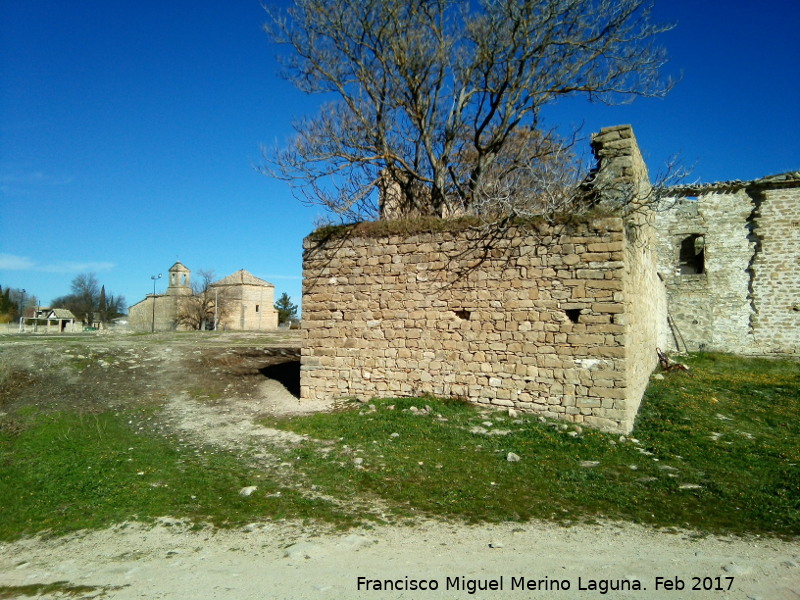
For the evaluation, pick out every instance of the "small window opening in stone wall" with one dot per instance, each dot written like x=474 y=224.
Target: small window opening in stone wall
x=256 y=307
x=462 y=314
x=692 y=258
x=574 y=314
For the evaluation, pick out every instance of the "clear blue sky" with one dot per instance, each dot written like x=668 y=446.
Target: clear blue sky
x=128 y=132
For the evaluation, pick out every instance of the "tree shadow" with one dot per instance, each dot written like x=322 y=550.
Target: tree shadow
x=286 y=373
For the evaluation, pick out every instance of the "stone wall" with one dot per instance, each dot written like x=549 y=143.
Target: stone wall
x=708 y=303
x=776 y=268
x=562 y=320
x=645 y=310
x=140 y=315
x=252 y=309
x=740 y=291
x=537 y=319
x=623 y=184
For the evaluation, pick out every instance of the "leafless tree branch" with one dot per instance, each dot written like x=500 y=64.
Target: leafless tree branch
x=437 y=94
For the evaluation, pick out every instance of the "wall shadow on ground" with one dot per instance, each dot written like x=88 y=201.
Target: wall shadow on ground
x=286 y=373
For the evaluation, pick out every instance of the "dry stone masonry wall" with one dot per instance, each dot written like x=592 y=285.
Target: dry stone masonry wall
x=775 y=267
x=534 y=319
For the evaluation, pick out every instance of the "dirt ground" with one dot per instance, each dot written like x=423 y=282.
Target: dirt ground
x=212 y=389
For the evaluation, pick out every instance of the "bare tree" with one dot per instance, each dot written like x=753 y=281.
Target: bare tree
x=85 y=293
x=435 y=94
x=207 y=306
x=515 y=185
x=86 y=300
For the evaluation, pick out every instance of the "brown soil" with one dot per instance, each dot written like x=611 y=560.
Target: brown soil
x=97 y=371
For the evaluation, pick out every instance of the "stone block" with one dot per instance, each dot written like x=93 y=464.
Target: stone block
x=608 y=307
x=588 y=402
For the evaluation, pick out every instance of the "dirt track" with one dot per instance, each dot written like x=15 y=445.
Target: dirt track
x=286 y=561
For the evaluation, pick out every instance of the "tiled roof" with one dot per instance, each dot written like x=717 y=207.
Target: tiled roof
x=791 y=178
x=242 y=277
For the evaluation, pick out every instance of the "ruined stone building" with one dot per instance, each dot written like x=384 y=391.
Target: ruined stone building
x=245 y=302
x=729 y=254
x=563 y=320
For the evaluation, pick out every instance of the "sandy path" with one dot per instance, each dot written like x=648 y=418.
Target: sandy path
x=283 y=561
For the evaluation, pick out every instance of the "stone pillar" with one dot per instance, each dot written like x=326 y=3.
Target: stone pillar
x=621 y=179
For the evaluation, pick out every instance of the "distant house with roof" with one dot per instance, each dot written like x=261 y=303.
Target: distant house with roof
x=60 y=318
x=51 y=320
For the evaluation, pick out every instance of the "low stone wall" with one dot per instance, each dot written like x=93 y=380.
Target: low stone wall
x=560 y=320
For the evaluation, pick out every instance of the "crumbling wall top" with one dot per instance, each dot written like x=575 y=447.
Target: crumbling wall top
x=790 y=179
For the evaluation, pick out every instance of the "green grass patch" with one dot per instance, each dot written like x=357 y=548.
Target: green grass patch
x=735 y=424
x=63 y=471
x=716 y=451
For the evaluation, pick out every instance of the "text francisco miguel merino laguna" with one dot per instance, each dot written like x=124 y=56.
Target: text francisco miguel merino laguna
x=471 y=586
